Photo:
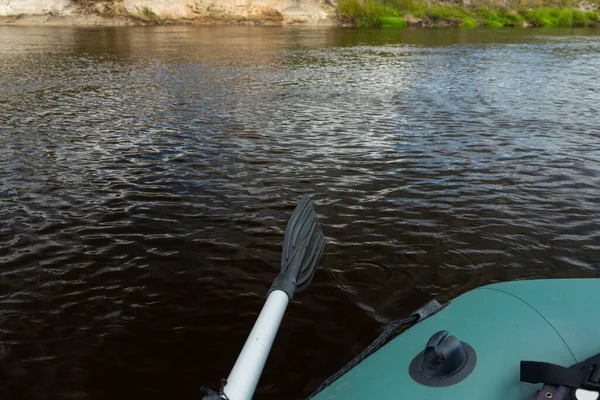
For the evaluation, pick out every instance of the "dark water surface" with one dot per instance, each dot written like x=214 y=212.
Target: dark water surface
x=147 y=174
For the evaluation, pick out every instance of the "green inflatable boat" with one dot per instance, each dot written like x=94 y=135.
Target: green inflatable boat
x=537 y=339
x=483 y=336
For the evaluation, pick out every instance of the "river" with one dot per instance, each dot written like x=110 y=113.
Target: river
x=147 y=175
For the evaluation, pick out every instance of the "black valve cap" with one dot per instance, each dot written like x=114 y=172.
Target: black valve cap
x=444 y=362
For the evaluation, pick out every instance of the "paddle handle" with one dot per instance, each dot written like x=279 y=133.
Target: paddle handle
x=246 y=372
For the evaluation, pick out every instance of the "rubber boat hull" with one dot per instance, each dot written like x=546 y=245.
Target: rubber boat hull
x=554 y=321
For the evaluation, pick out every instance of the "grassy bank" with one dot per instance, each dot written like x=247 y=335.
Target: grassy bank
x=402 y=13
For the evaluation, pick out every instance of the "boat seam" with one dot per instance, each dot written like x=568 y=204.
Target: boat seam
x=540 y=314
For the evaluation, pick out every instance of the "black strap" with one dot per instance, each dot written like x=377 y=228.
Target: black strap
x=585 y=377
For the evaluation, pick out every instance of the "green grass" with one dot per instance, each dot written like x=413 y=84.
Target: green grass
x=393 y=22
x=495 y=24
x=147 y=12
x=394 y=14
x=498 y=18
x=441 y=12
x=560 y=17
x=469 y=23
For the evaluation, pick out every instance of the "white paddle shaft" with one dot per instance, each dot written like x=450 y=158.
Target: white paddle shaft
x=246 y=372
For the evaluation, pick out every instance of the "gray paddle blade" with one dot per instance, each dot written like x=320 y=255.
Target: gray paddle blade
x=303 y=244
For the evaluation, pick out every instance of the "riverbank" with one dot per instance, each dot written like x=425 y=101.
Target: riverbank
x=159 y=12
x=403 y=13
x=353 y=13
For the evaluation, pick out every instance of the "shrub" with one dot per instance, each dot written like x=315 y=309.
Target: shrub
x=147 y=12
x=392 y=13
x=469 y=23
x=393 y=22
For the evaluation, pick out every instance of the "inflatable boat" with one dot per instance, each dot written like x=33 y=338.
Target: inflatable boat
x=474 y=347
x=537 y=339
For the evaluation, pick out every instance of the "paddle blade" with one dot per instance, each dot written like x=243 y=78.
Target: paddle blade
x=303 y=244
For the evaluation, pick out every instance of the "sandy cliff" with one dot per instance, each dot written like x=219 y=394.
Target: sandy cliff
x=85 y=12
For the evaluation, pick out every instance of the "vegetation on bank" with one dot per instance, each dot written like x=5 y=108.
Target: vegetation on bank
x=151 y=15
x=402 y=13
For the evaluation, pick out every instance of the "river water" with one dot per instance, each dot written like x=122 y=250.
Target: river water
x=147 y=175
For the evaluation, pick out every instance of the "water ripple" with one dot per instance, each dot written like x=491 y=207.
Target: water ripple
x=146 y=177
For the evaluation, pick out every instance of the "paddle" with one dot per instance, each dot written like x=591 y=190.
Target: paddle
x=303 y=246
